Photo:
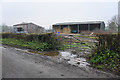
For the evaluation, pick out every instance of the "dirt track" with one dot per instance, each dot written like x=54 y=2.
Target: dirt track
x=18 y=63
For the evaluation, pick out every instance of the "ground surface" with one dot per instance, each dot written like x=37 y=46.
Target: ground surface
x=17 y=63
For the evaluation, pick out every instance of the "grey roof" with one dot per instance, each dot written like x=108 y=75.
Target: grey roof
x=26 y=24
x=71 y=23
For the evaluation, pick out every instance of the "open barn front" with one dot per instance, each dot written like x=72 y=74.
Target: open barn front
x=78 y=27
x=94 y=27
x=65 y=29
x=74 y=28
x=83 y=27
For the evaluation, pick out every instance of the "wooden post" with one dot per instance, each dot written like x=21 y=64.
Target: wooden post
x=70 y=40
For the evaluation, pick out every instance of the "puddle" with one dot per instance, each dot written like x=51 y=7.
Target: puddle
x=66 y=55
x=81 y=62
x=51 y=53
x=73 y=60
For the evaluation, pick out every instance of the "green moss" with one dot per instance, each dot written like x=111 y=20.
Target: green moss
x=99 y=66
x=85 y=47
x=46 y=53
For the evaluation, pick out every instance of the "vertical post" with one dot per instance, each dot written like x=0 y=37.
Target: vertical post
x=78 y=28
x=70 y=40
x=68 y=28
x=88 y=27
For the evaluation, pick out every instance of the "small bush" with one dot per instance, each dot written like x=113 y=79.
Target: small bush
x=110 y=41
x=107 y=53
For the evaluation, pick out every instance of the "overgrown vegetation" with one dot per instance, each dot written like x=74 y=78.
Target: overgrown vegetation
x=68 y=46
x=91 y=37
x=107 y=54
x=41 y=42
x=28 y=44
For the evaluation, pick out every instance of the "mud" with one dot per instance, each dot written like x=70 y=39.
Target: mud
x=51 y=53
x=65 y=64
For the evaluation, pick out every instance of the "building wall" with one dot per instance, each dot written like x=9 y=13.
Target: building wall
x=21 y=26
x=102 y=26
x=66 y=30
x=30 y=28
x=62 y=29
x=34 y=29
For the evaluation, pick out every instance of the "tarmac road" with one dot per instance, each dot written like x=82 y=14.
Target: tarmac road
x=20 y=64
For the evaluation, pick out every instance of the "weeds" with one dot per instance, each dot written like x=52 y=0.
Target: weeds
x=41 y=42
x=19 y=42
x=107 y=54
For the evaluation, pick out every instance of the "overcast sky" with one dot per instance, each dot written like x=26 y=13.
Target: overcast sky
x=46 y=13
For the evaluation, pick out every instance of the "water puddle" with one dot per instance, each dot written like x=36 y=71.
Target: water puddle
x=66 y=55
x=73 y=60
x=81 y=62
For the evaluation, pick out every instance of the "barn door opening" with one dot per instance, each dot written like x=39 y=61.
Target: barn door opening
x=20 y=29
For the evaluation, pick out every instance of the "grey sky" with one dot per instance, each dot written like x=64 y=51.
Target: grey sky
x=46 y=14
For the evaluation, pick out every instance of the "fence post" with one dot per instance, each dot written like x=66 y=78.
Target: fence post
x=70 y=40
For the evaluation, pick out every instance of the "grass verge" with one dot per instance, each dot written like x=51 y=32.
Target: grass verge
x=40 y=46
x=28 y=44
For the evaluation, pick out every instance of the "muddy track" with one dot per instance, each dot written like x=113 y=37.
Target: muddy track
x=18 y=63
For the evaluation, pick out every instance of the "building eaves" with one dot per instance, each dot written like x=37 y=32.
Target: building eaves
x=27 y=24
x=73 y=23
x=20 y=24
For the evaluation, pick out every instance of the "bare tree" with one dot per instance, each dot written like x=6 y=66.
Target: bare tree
x=113 y=23
x=115 y=19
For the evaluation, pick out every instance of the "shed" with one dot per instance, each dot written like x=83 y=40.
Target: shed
x=77 y=27
x=28 y=28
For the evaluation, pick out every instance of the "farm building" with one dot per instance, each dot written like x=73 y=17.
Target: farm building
x=28 y=28
x=77 y=27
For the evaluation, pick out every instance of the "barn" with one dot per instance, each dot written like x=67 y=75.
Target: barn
x=28 y=28
x=77 y=27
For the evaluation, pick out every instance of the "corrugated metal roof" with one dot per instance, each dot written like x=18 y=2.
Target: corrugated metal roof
x=26 y=24
x=72 y=23
x=22 y=24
